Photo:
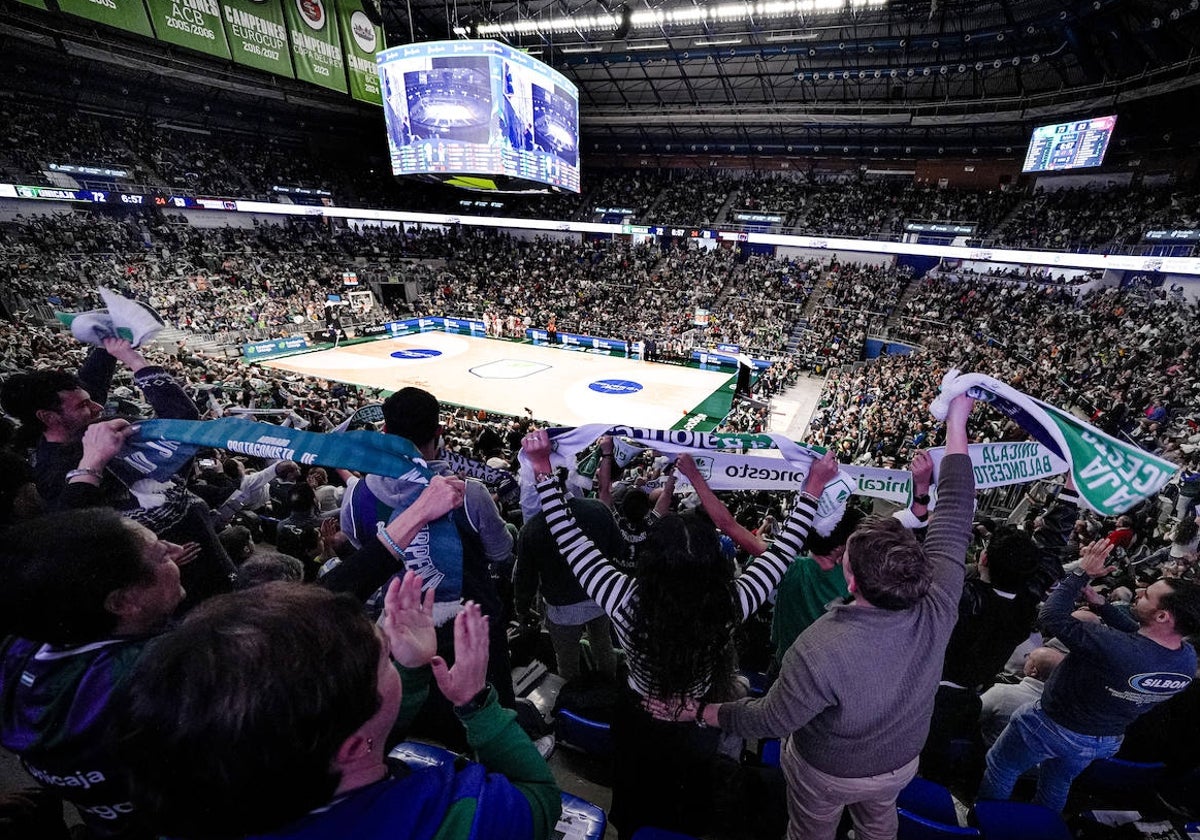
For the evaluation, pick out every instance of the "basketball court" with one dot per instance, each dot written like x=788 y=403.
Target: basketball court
x=567 y=387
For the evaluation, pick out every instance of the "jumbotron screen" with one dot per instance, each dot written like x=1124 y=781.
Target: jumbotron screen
x=1069 y=145
x=481 y=115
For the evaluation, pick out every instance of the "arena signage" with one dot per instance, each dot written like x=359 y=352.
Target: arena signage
x=1121 y=262
x=1188 y=235
x=955 y=228
x=710 y=358
x=98 y=171
x=463 y=325
x=259 y=349
x=582 y=342
x=759 y=218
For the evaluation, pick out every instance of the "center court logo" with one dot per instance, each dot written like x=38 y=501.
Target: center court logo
x=416 y=353
x=615 y=386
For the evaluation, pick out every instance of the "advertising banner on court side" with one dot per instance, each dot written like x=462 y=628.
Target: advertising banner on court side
x=361 y=39
x=129 y=15
x=37 y=4
x=195 y=24
x=316 y=51
x=257 y=35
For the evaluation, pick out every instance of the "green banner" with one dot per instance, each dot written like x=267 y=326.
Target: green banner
x=37 y=4
x=361 y=39
x=316 y=52
x=195 y=24
x=257 y=35
x=123 y=14
x=1111 y=475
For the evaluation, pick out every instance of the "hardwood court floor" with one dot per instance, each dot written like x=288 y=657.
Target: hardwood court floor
x=562 y=386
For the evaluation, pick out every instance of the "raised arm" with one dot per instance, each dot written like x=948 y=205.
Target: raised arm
x=378 y=559
x=603 y=582
x=765 y=572
x=604 y=472
x=1055 y=616
x=950 y=525
x=716 y=510
x=498 y=742
x=160 y=389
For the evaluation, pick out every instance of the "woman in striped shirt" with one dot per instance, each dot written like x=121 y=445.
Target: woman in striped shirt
x=675 y=620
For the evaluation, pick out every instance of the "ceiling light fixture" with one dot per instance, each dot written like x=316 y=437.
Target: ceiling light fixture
x=678 y=16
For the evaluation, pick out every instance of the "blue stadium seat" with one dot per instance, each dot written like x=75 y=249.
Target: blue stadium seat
x=768 y=752
x=587 y=736
x=1117 y=782
x=1001 y=820
x=757 y=681
x=929 y=800
x=913 y=827
x=581 y=819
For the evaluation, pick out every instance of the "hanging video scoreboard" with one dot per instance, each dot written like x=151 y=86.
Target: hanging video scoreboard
x=480 y=115
x=1070 y=145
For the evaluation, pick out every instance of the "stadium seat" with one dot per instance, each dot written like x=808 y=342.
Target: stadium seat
x=928 y=799
x=587 y=736
x=914 y=827
x=1116 y=782
x=1003 y=820
x=769 y=751
x=756 y=681
x=581 y=819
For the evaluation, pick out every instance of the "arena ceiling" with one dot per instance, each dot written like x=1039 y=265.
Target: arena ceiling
x=897 y=76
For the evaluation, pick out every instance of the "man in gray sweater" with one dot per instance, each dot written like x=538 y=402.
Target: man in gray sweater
x=855 y=691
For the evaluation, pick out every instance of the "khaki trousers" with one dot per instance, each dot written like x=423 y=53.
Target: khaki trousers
x=816 y=800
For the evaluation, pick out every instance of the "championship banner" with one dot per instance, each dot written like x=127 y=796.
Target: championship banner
x=361 y=39
x=316 y=52
x=257 y=35
x=195 y=24
x=129 y=15
x=1111 y=476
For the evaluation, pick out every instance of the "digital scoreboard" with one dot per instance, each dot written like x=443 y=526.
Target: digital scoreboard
x=1070 y=145
x=481 y=115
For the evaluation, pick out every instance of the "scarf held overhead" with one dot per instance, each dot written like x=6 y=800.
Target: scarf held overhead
x=1111 y=476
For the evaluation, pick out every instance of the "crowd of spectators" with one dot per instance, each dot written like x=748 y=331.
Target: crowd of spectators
x=205 y=161
x=1124 y=358
x=1117 y=356
x=1095 y=216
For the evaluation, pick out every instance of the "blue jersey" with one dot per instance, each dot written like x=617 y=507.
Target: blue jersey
x=55 y=710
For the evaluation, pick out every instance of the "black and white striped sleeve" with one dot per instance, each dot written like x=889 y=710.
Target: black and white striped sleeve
x=764 y=574
x=601 y=580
